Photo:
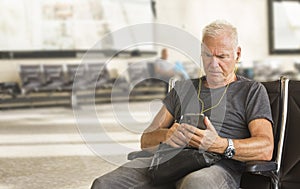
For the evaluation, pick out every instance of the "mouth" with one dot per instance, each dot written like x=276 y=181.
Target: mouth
x=215 y=72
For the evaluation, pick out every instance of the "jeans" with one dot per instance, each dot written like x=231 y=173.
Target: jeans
x=125 y=177
x=213 y=177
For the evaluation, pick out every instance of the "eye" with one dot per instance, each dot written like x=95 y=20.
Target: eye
x=206 y=54
x=222 y=56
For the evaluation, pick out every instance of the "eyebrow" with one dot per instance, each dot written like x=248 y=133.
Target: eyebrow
x=227 y=54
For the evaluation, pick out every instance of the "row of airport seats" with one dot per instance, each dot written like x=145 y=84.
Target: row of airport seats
x=60 y=77
x=66 y=84
x=53 y=84
x=142 y=74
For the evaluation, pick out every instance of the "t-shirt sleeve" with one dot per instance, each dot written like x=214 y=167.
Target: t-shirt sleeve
x=168 y=101
x=258 y=104
x=171 y=100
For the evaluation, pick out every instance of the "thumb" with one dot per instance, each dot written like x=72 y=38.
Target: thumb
x=208 y=123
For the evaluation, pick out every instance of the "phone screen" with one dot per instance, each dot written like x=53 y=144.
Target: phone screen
x=196 y=120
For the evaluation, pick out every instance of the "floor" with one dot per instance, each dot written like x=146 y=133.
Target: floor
x=65 y=148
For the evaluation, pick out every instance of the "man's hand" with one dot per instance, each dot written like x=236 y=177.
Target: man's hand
x=175 y=136
x=198 y=138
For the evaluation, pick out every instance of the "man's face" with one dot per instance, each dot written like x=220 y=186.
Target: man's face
x=219 y=58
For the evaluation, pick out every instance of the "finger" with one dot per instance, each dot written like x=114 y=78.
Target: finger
x=172 y=130
x=190 y=130
x=208 y=124
x=200 y=144
x=172 y=143
x=193 y=137
x=190 y=136
x=178 y=133
x=178 y=138
x=195 y=144
x=197 y=137
x=179 y=142
x=175 y=126
x=194 y=140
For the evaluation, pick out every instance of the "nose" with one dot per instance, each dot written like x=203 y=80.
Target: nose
x=214 y=61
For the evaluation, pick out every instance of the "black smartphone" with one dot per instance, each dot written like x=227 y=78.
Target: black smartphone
x=196 y=120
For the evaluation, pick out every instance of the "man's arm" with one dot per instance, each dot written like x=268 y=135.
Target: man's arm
x=157 y=131
x=258 y=147
x=160 y=131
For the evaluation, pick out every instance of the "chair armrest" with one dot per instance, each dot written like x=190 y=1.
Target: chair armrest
x=261 y=166
x=139 y=154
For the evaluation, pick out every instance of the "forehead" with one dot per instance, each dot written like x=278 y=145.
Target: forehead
x=217 y=44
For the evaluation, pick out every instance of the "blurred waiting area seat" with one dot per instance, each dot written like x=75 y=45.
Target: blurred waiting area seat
x=60 y=77
x=9 y=88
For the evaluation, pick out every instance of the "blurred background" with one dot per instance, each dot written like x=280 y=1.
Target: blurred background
x=59 y=56
x=43 y=42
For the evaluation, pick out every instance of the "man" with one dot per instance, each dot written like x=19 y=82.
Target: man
x=162 y=67
x=238 y=119
x=164 y=70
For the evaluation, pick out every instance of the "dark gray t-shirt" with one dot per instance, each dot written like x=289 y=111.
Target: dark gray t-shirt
x=230 y=109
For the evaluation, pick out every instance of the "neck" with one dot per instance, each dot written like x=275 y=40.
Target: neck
x=226 y=81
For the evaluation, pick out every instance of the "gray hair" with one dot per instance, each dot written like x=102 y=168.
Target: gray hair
x=219 y=27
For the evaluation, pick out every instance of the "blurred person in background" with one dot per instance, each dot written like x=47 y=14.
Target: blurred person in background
x=164 y=70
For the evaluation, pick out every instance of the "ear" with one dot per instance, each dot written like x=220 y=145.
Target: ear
x=238 y=54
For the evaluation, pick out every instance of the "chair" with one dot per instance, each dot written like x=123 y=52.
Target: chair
x=32 y=78
x=10 y=88
x=138 y=74
x=54 y=78
x=266 y=174
x=274 y=174
x=98 y=76
x=289 y=172
x=78 y=71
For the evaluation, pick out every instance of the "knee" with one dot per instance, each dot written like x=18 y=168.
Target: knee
x=195 y=181
x=189 y=181
x=99 y=183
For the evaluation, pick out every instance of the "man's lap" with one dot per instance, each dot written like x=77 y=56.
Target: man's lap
x=134 y=175
x=213 y=177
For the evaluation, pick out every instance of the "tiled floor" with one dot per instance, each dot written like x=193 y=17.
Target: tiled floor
x=65 y=149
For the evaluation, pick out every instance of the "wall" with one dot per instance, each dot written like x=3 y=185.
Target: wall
x=249 y=16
